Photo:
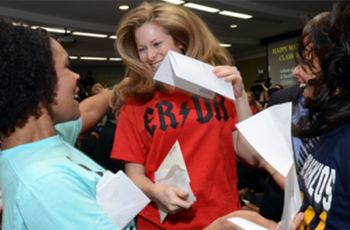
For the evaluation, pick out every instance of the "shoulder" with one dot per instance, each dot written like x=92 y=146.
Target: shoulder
x=284 y=95
x=70 y=130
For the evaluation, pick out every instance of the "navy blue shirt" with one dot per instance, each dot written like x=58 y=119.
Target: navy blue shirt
x=325 y=182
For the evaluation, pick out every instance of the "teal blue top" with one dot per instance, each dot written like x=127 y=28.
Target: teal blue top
x=48 y=184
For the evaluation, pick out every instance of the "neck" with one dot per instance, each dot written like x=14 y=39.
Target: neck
x=34 y=130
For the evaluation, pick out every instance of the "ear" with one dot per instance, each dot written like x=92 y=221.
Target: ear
x=181 y=48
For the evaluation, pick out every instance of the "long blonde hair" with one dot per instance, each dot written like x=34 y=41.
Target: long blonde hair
x=187 y=30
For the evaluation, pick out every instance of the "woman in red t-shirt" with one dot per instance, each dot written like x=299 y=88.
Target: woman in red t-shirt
x=153 y=116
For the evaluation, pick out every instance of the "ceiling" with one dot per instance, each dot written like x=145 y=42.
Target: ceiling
x=270 y=19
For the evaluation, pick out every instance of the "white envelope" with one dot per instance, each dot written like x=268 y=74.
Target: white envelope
x=269 y=133
x=192 y=75
x=292 y=199
x=173 y=171
x=120 y=198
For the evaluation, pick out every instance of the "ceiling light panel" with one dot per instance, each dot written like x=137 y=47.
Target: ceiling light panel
x=225 y=45
x=123 y=7
x=201 y=7
x=115 y=59
x=176 y=2
x=94 y=35
x=235 y=14
x=52 y=30
x=93 y=58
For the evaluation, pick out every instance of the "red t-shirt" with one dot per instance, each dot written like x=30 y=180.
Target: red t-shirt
x=147 y=131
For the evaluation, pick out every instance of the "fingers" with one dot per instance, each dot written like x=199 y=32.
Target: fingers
x=298 y=219
x=228 y=73
x=180 y=199
x=173 y=199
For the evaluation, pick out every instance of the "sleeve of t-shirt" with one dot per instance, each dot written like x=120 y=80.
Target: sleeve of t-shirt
x=58 y=201
x=70 y=130
x=128 y=144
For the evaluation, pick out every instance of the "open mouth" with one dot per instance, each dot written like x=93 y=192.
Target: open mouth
x=156 y=65
x=76 y=95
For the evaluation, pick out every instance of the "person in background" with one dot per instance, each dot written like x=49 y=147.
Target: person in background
x=153 y=116
x=46 y=183
x=255 y=106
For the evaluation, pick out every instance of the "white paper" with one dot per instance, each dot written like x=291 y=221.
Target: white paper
x=120 y=198
x=173 y=171
x=192 y=75
x=269 y=133
x=245 y=224
x=292 y=199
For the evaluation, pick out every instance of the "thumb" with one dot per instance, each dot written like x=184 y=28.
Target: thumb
x=182 y=194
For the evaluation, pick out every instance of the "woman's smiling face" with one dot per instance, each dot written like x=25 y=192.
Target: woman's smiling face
x=153 y=43
x=304 y=72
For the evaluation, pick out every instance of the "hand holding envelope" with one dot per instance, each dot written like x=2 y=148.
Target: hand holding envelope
x=173 y=171
x=120 y=198
x=269 y=133
x=192 y=75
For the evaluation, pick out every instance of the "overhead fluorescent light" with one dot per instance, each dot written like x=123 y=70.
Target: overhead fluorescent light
x=233 y=26
x=19 y=24
x=175 y=2
x=52 y=30
x=201 y=7
x=123 y=7
x=235 y=14
x=225 y=45
x=93 y=58
x=73 y=57
x=115 y=59
x=94 y=35
x=112 y=37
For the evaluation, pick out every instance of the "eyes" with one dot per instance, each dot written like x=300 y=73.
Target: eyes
x=156 y=44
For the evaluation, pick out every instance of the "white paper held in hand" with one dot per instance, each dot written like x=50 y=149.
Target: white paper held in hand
x=269 y=133
x=173 y=171
x=120 y=198
x=192 y=76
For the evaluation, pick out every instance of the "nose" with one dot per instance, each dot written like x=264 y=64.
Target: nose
x=76 y=76
x=151 y=54
x=295 y=71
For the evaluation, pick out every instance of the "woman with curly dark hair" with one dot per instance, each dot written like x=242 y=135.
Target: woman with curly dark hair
x=44 y=185
x=324 y=178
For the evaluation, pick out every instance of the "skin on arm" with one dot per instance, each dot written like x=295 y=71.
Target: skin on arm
x=93 y=108
x=243 y=149
x=223 y=223
x=231 y=74
x=169 y=198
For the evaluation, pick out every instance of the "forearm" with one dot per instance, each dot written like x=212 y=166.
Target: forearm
x=250 y=156
x=93 y=109
x=145 y=184
x=137 y=174
x=277 y=177
x=222 y=222
x=242 y=107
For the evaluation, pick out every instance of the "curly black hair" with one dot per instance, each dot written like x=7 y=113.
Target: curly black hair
x=27 y=74
x=330 y=40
